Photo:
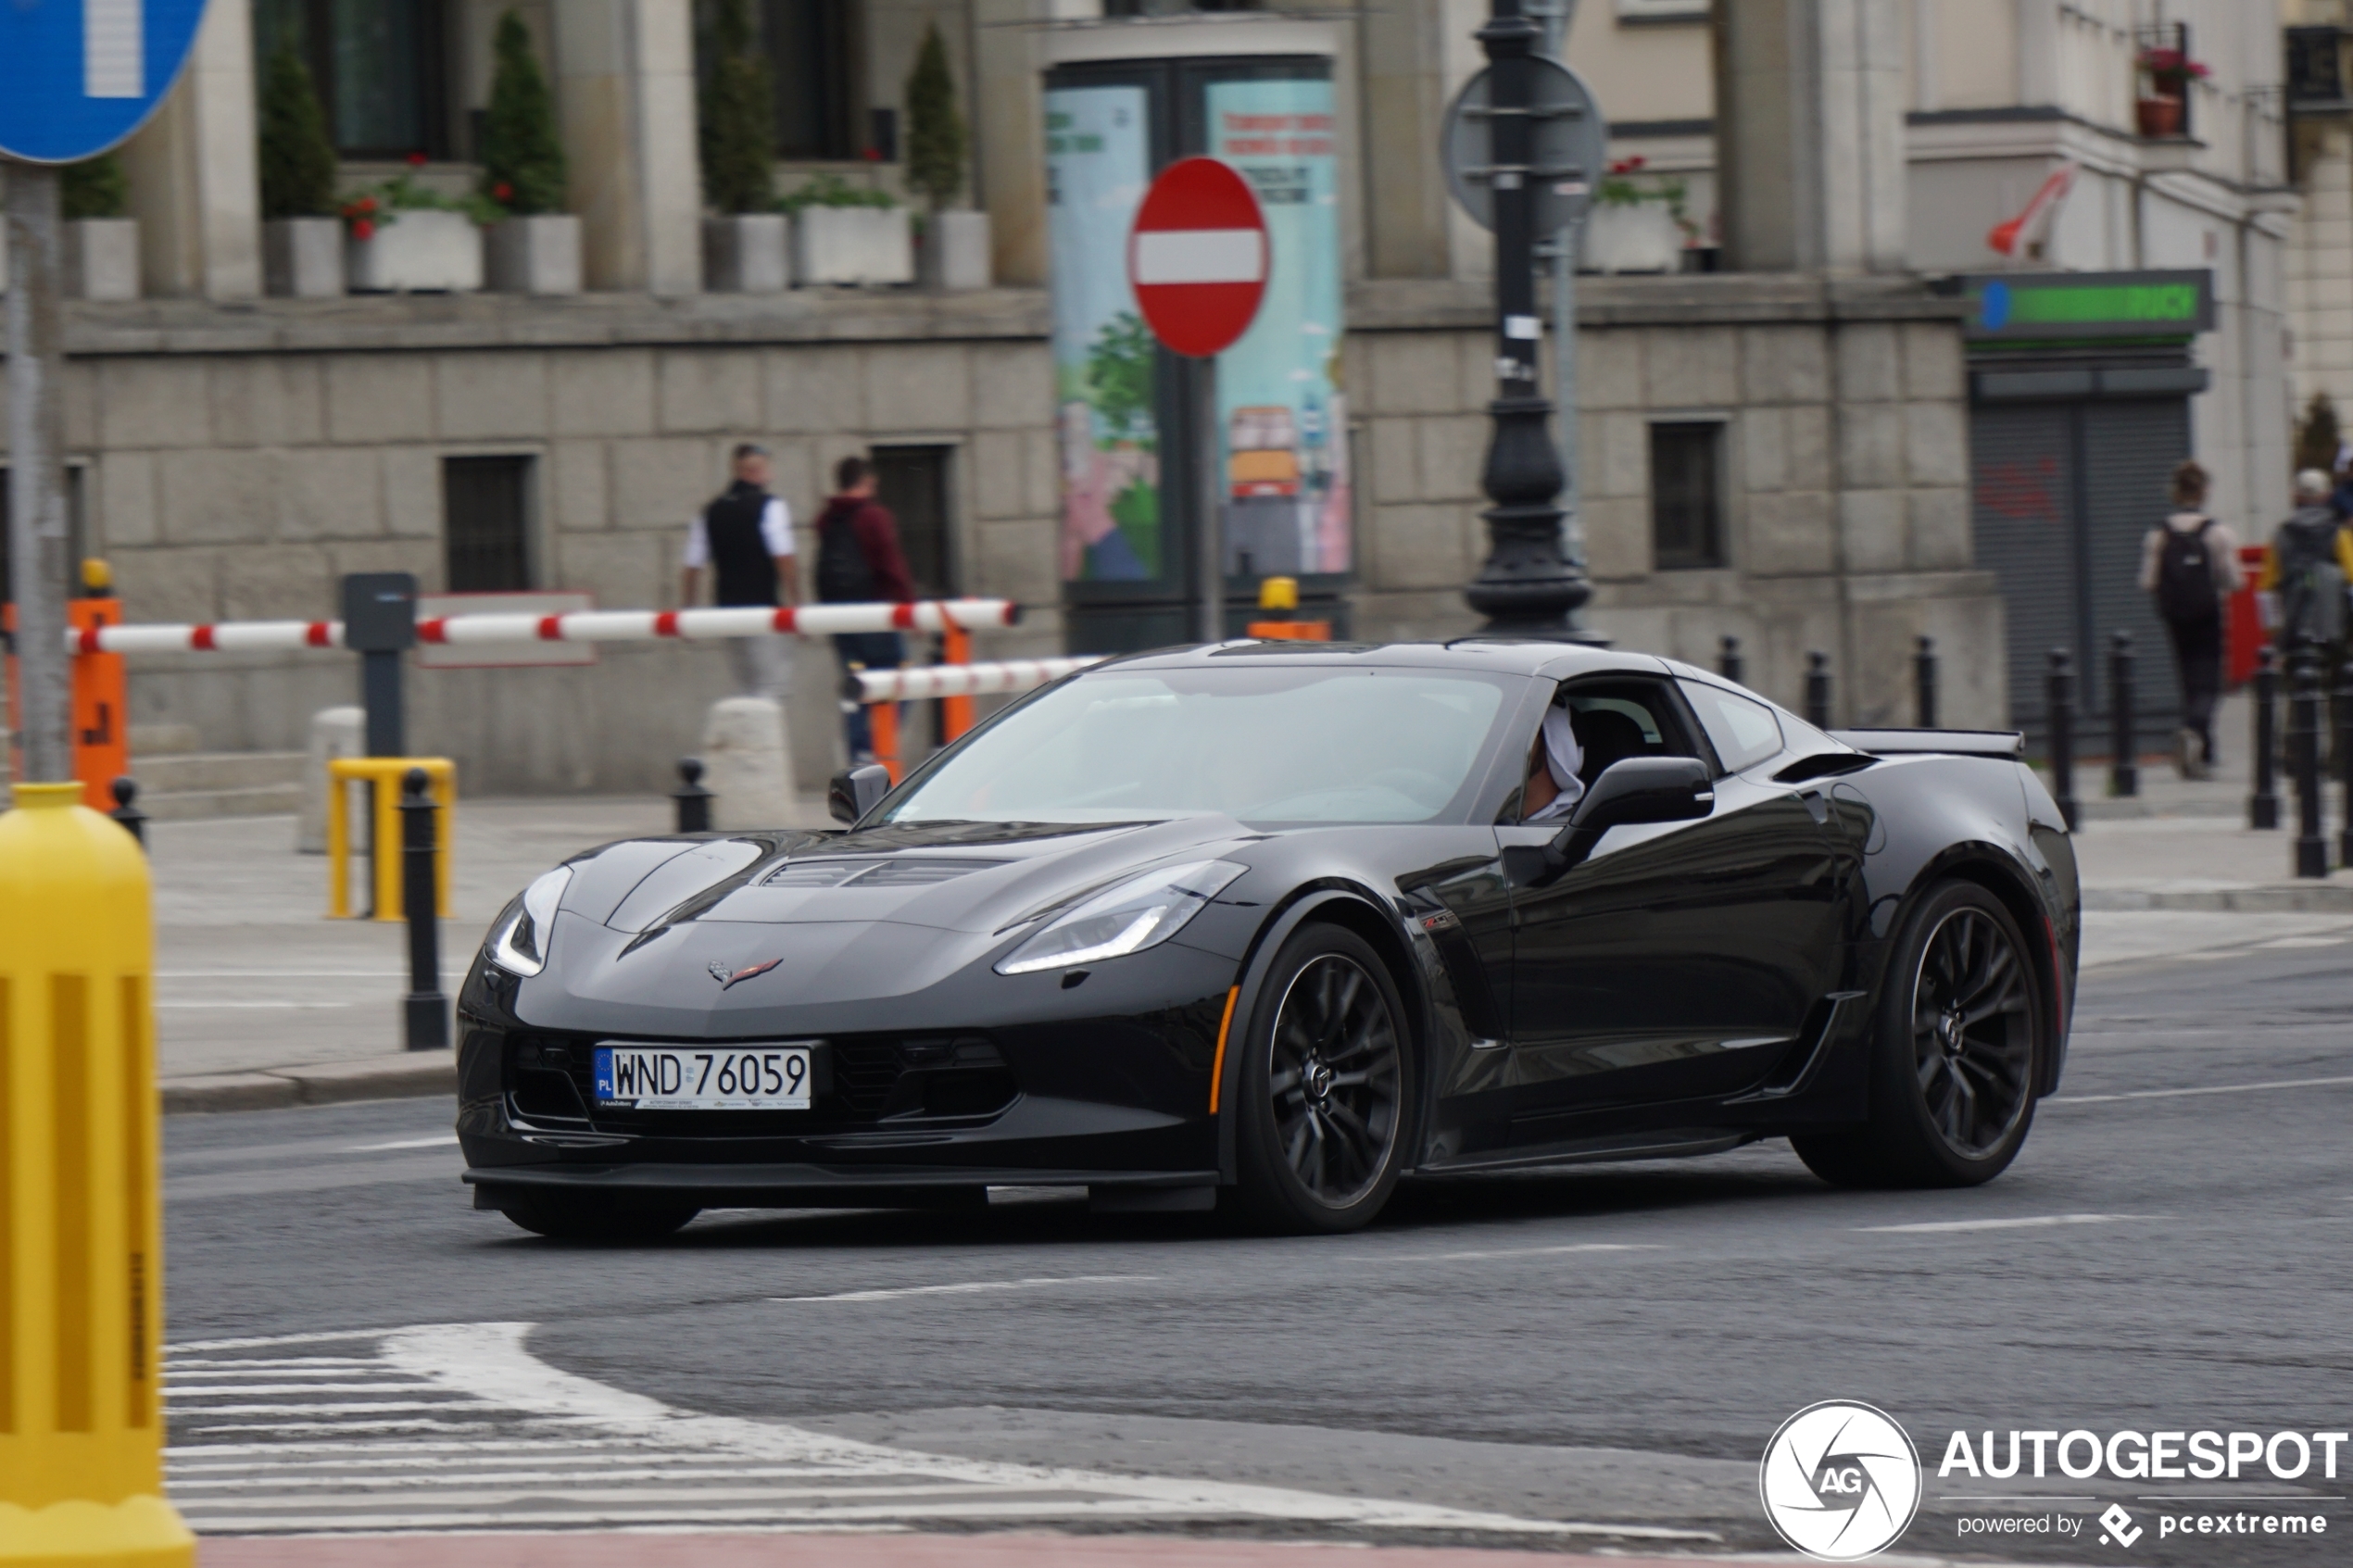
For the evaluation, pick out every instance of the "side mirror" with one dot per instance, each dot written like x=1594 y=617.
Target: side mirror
x=1639 y=789
x=853 y=794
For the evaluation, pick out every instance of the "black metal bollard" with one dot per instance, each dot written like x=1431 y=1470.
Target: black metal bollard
x=1818 y=690
x=2304 y=759
x=694 y=800
x=1924 y=683
x=1729 y=663
x=127 y=812
x=2124 y=767
x=2344 y=760
x=2263 y=804
x=426 y=1012
x=2062 y=719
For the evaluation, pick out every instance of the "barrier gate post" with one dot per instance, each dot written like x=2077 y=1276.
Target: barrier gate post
x=80 y=1199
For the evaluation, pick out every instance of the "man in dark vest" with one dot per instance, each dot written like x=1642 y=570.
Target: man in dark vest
x=859 y=561
x=745 y=538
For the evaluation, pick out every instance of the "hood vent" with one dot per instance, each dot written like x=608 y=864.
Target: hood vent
x=892 y=872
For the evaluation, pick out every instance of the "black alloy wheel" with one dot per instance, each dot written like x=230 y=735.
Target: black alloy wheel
x=1961 y=1026
x=1324 y=1091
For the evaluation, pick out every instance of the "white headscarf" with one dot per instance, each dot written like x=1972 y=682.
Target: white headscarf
x=1562 y=757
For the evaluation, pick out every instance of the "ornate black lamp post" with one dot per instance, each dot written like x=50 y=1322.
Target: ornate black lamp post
x=1526 y=588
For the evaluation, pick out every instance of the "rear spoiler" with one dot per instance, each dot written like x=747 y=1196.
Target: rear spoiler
x=2004 y=745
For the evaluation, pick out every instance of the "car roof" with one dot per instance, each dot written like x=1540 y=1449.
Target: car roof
x=1513 y=655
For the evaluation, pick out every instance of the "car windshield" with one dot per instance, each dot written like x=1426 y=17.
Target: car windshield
x=1297 y=745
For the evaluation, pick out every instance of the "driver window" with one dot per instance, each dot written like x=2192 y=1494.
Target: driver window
x=1615 y=720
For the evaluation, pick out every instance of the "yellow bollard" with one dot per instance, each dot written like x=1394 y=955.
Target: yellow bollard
x=80 y=1228
x=385 y=773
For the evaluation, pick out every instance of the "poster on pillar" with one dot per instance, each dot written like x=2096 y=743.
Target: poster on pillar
x=1097 y=165
x=1282 y=416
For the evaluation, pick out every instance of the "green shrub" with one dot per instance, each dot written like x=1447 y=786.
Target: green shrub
x=522 y=159
x=935 y=130
x=738 y=128
x=832 y=190
x=94 y=188
x=2317 y=436
x=296 y=155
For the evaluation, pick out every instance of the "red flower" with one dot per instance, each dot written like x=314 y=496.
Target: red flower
x=502 y=192
x=874 y=155
x=1634 y=163
x=416 y=160
x=367 y=204
x=364 y=230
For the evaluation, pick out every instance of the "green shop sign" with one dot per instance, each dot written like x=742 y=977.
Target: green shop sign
x=2072 y=306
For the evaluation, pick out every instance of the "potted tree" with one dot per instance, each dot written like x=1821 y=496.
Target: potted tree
x=535 y=245
x=102 y=239
x=954 y=245
x=846 y=233
x=301 y=241
x=1636 y=223
x=743 y=245
x=2162 y=108
x=401 y=237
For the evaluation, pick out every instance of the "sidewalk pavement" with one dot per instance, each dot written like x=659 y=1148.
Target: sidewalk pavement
x=261 y=1001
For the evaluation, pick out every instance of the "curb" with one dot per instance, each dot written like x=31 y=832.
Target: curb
x=331 y=1083
x=2268 y=899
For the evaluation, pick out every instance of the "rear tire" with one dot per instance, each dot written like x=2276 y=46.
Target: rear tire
x=567 y=1218
x=1325 y=1093
x=1962 y=1031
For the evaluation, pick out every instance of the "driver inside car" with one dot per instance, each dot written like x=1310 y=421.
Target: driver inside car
x=1553 y=785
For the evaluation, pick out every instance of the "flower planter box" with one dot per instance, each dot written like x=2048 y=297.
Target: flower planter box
x=2159 y=116
x=302 y=257
x=421 y=251
x=1644 y=237
x=854 y=245
x=748 y=253
x=953 y=250
x=537 y=255
x=102 y=258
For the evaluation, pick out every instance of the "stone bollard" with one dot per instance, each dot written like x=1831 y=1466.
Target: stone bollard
x=1818 y=690
x=693 y=800
x=2263 y=804
x=746 y=765
x=425 y=1011
x=334 y=732
x=2305 y=733
x=1924 y=683
x=2123 y=767
x=81 y=1197
x=2061 y=710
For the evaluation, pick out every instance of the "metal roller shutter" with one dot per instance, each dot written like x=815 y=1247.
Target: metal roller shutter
x=2024 y=472
x=2129 y=448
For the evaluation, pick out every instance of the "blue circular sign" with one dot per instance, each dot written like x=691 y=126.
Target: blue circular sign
x=76 y=77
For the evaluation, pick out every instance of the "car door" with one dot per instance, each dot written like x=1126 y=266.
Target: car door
x=1679 y=961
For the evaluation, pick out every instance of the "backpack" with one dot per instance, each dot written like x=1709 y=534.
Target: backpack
x=843 y=574
x=2185 y=575
x=2312 y=588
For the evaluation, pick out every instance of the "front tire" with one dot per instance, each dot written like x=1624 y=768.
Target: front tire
x=1961 y=1031
x=1325 y=1090
x=574 y=1218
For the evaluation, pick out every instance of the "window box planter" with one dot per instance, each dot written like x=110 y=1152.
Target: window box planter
x=302 y=257
x=2159 y=116
x=539 y=254
x=746 y=252
x=1642 y=237
x=854 y=245
x=954 y=249
x=102 y=258
x=423 y=251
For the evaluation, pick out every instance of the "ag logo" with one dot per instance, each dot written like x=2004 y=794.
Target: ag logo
x=1840 y=1481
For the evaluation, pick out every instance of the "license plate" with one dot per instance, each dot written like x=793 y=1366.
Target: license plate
x=720 y=1078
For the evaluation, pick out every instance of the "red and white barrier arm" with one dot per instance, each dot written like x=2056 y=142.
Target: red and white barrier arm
x=580 y=626
x=923 y=683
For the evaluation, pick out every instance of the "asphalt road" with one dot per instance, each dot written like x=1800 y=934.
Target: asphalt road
x=1606 y=1346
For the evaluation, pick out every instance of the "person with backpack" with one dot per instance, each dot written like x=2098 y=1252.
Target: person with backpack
x=2308 y=566
x=2189 y=562
x=859 y=563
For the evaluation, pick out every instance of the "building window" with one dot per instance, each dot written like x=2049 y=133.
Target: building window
x=912 y=482
x=486 y=523
x=1687 y=495
x=76 y=540
x=381 y=68
x=813 y=48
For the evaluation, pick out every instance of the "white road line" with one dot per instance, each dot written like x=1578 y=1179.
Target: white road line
x=2302 y=942
x=455 y=1401
x=262 y=1342
x=182 y=1391
x=971 y=1285
x=2035 y=1222
x=167 y=1007
x=2215 y=1090
x=273 y=1363
x=438 y=1140
x=281 y=974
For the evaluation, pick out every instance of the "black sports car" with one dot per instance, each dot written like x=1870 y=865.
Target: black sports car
x=1262 y=920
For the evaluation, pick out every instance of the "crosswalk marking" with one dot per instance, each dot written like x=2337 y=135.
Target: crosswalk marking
x=501 y=1440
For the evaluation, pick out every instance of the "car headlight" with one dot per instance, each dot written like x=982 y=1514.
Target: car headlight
x=521 y=942
x=1138 y=913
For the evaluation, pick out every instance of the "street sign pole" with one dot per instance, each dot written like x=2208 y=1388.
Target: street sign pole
x=37 y=535
x=1211 y=624
x=1558 y=16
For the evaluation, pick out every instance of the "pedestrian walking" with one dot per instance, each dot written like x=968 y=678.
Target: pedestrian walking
x=744 y=538
x=859 y=563
x=2308 y=567
x=2190 y=563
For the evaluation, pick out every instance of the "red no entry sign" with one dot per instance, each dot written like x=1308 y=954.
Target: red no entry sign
x=1198 y=257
